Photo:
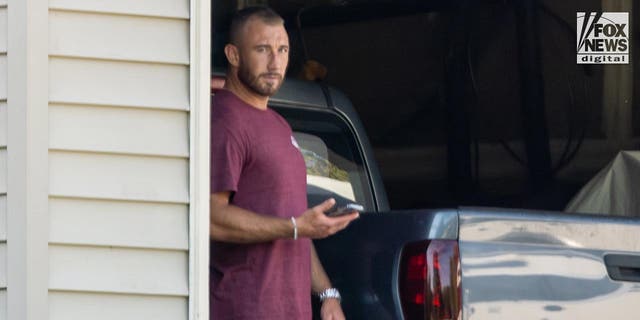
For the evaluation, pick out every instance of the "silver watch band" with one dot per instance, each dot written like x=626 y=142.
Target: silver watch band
x=330 y=293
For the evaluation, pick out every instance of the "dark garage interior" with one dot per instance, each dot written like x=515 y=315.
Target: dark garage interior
x=474 y=103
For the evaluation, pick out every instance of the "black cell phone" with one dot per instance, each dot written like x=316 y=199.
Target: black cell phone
x=340 y=210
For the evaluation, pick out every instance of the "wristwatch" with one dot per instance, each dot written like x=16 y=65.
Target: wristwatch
x=330 y=293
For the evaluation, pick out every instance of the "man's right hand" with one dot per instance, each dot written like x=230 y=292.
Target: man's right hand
x=315 y=224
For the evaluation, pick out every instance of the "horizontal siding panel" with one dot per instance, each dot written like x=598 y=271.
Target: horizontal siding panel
x=162 y=8
x=83 y=306
x=4 y=33
x=3 y=217
x=3 y=124
x=3 y=76
x=3 y=171
x=109 y=176
x=118 y=270
x=119 y=223
x=3 y=304
x=101 y=82
x=118 y=37
x=3 y=265
x=119 y=130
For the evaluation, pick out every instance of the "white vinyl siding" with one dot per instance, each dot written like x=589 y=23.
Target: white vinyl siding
x=118 y=83
x=3 y=31
x=3 y=266
x=148 y=8
x=118 y=177
x=3 y=115
x=100 y=306
x=117 y=130
x=100 y=36
x=3 y=304
x=3 y=280
x=3 y=67
x=100 y=223
x=3 y=159
x=118 y=270
x=119 y=102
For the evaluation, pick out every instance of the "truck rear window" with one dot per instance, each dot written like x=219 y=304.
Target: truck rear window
x=334 y=163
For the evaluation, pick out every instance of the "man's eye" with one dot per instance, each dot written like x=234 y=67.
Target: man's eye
x=284 y=50
x=260 y=49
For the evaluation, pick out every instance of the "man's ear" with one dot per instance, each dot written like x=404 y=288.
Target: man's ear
x=233 y=56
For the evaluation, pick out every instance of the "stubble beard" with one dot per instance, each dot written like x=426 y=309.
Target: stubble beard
x=265 y=89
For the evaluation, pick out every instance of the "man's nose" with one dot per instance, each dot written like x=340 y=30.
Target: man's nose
x=275 y=61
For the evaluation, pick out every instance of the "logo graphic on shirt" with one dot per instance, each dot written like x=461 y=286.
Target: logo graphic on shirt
x=603 y=37
x=295 y=143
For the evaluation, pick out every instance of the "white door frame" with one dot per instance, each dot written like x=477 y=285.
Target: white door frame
x=27 y=159
x=200 y=73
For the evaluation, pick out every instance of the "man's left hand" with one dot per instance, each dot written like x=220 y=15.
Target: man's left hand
x=331 y=310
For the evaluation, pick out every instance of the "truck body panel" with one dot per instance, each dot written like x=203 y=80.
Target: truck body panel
x=545 y=265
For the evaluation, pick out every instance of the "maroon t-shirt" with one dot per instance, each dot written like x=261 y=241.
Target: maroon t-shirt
x=254 y=155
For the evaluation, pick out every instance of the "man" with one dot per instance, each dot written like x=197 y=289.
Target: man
x=263 y=263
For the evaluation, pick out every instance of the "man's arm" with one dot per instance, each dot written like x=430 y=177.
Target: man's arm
x=231 y=223
x=319 y=279
x=331 y=309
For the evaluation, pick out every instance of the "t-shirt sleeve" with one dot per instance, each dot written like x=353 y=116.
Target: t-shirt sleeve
x=227 y=159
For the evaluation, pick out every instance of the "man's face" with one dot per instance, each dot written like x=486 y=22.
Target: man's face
x=264 y=55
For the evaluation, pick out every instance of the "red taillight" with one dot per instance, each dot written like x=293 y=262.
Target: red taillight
x=430 y=280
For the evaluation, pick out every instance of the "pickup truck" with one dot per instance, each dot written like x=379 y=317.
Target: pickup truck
x=458 y=263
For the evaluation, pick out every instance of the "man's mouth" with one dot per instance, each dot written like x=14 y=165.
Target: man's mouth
x=272 y=76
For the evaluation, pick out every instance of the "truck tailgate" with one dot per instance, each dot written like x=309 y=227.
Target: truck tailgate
x=519 y=264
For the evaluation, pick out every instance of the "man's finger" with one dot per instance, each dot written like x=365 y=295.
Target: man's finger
x=326 y=205
x=346 y=218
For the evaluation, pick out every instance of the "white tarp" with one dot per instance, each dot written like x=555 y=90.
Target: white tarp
x=615 y=190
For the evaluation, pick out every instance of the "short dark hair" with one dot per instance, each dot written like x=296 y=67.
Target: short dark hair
x=241 y=17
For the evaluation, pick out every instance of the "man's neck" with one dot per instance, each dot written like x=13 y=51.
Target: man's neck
x=234 y=85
